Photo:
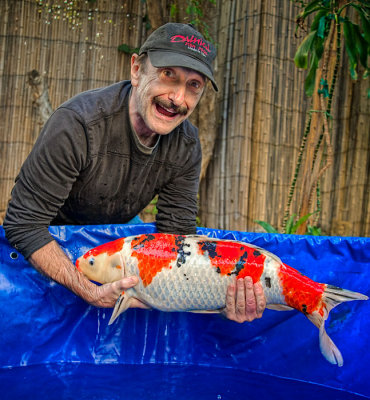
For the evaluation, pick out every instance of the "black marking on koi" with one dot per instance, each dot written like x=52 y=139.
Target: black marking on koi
x=256 y=253
x=268 y=281
x=304 y=309
x=240 y=264
x=210 y=247
x=181 y=259
x=141 y=244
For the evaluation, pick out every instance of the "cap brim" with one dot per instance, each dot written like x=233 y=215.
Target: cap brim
x=162 y=58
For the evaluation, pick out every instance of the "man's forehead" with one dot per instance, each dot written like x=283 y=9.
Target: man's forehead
x=194 y=74
x=187 y=70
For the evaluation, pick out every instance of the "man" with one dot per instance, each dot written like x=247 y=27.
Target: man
x=104 y=154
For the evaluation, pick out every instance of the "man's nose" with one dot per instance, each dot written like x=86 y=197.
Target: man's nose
x=177 y=95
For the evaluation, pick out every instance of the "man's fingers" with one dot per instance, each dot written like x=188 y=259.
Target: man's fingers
x=260 y=299
x=229 y=310
x=250 y=299
x=245 y=301
x=230 y=299
x=126 y=283
x=240 y=299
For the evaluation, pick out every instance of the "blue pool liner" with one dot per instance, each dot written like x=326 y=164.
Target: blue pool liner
x=56 y=346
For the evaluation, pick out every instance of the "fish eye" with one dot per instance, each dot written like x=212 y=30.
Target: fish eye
x=91 y=261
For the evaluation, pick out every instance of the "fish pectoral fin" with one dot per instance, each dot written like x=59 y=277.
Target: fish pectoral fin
x=122 y=304
x=279 y=307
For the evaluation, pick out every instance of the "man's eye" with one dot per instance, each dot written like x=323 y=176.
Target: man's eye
x=196 y=86
x=168 y=73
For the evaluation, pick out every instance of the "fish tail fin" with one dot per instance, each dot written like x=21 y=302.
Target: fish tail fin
x=122 y=304
x=332 y=296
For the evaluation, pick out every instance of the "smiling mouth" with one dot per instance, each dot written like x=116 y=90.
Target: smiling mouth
x=169 y=110
x=164 y=111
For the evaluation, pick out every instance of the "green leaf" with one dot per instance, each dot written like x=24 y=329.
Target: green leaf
x=267 y=227
x=125 y=48
x=313 y=230
x=365 y=23
x=312 y=5
x=309 y=9
x=309 y=84
x=301 y=56
x=325 y=87
x=289 y=224
x=321 y=28
x=316 y=21
x=361 y=45
x=173 y=10
x=350 y=46
x=300 y=222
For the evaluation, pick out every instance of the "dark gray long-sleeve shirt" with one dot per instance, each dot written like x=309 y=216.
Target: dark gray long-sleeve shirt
x=88 y=167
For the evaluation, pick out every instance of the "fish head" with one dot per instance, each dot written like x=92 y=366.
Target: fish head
x=103 y=264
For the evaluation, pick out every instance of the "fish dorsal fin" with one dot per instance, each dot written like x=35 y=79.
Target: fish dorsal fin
x=279 y=307
x=203 y=237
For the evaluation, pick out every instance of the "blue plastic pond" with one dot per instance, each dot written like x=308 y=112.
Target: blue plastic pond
x=55 y=346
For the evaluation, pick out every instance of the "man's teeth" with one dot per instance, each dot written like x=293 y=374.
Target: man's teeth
x=166 y=111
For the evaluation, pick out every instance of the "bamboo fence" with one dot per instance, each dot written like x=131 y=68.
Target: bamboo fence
x=73 y=48
x=258 y=116
x=262 y=111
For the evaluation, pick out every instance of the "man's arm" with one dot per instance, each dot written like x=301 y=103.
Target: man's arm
x=50 y=260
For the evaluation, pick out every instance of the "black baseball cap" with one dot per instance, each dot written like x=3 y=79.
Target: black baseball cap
x=180 y=45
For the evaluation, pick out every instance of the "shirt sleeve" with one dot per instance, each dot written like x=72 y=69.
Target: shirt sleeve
x=45 y=181
x=177 y=202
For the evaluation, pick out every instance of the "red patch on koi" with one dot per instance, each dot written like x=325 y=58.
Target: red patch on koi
x=109 y=248
x=154 y=252
x=233 y=258
x=301 y=292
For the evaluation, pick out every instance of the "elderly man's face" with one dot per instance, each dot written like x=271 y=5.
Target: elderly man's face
x=162 y=98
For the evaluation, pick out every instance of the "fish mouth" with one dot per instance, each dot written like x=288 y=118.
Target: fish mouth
x=78 y=264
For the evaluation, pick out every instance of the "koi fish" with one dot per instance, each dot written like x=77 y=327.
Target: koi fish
x=192 y=273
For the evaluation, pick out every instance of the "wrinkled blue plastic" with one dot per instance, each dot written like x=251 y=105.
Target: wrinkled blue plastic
x=55 y=346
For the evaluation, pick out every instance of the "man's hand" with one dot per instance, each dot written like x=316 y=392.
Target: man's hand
x=245 y=301
x=107 y=294
x=51 y=261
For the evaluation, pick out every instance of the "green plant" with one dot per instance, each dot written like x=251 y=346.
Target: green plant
x=356 y=36
x=195 y=10
x=292 y=225
x=328 y=24
x=125 y=48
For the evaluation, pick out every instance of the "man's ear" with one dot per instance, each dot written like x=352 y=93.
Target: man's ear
x=135 y=66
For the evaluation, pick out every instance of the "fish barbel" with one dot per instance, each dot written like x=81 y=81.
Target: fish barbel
x=192 y=273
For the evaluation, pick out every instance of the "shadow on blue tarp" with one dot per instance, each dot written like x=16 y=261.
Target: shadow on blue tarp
x=55 y=346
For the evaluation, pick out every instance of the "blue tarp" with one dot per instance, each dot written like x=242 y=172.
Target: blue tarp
x=55 y=346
